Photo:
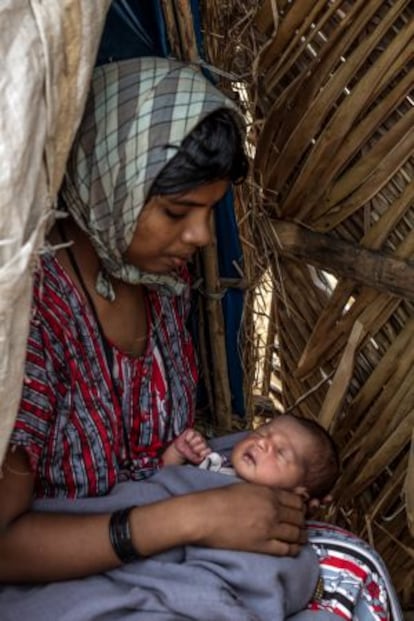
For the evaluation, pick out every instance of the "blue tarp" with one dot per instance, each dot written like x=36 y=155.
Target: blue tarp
x=136 y=28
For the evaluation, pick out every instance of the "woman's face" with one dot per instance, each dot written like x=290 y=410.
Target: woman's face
x=171 y=228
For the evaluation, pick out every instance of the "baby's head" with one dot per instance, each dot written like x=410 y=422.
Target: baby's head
x=289 y=453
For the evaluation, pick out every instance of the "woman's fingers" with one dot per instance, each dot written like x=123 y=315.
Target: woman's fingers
x=290 y=499
x=277 y=547
x=314 y=504
x=254 y=518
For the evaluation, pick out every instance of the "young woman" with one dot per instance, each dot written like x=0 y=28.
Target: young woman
x=110 y=370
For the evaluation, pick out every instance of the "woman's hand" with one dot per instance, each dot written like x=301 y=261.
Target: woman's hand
x=240 y=517
x=314 y=504
x=256 y=519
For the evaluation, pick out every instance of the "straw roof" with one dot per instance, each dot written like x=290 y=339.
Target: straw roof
x=328 y=226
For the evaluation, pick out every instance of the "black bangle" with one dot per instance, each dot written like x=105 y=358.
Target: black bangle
x=120 y=536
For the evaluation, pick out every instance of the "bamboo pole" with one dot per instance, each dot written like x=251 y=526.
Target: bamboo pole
x=171 y=27
x=179 y=18
x=367 y=267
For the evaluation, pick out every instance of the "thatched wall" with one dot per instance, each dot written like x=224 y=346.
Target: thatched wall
x=329 y=214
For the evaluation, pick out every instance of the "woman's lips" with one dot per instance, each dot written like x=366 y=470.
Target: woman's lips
x=179 y=262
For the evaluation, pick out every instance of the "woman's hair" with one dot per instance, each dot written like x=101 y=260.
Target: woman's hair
x=212 y=151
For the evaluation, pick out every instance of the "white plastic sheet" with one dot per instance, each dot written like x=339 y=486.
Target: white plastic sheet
x=48 y=49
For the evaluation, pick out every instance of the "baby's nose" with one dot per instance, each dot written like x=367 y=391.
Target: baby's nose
x=263 y=443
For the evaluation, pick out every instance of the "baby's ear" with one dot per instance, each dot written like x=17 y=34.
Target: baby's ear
x=302 y=491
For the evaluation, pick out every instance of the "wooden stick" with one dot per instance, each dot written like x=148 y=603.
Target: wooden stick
x=221 y=384
x=367 y=267
x=335 y=396
x=185 y=25
x=409 y=487
x=183 y=41
x=171 y=28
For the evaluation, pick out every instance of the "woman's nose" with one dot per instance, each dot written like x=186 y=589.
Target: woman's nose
x=198 y=231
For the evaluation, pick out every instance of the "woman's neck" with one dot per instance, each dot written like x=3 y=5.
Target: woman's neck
x=123 y=321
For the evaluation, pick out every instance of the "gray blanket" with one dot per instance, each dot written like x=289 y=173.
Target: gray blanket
x=191 y=583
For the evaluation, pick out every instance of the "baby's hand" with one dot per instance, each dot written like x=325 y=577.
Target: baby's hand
x=192 y=446
x=189 y=446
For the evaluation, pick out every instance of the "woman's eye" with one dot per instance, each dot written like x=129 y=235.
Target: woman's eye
x=173 y=215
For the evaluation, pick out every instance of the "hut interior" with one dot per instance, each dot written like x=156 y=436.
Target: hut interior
x=326 y=222
x=326 y=229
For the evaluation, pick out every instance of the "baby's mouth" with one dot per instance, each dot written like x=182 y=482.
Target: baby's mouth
x=249 y=457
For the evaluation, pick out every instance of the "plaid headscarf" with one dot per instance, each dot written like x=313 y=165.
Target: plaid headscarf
x=137 y=114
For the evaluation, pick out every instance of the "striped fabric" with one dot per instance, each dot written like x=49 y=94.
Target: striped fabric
x=137 y=115
x=70 y=420
x=356 y=584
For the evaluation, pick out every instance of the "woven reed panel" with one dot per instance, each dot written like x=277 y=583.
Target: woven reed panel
x=331 y=93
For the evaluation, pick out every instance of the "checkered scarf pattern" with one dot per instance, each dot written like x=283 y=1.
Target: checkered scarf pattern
x=137 y=115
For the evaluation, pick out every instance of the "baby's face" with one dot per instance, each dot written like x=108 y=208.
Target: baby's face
x=274 y=455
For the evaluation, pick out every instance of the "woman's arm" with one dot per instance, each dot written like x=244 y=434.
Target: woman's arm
x=243 y=516
x=42 y=547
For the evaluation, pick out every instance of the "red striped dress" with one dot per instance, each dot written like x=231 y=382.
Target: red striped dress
x=84 y=426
